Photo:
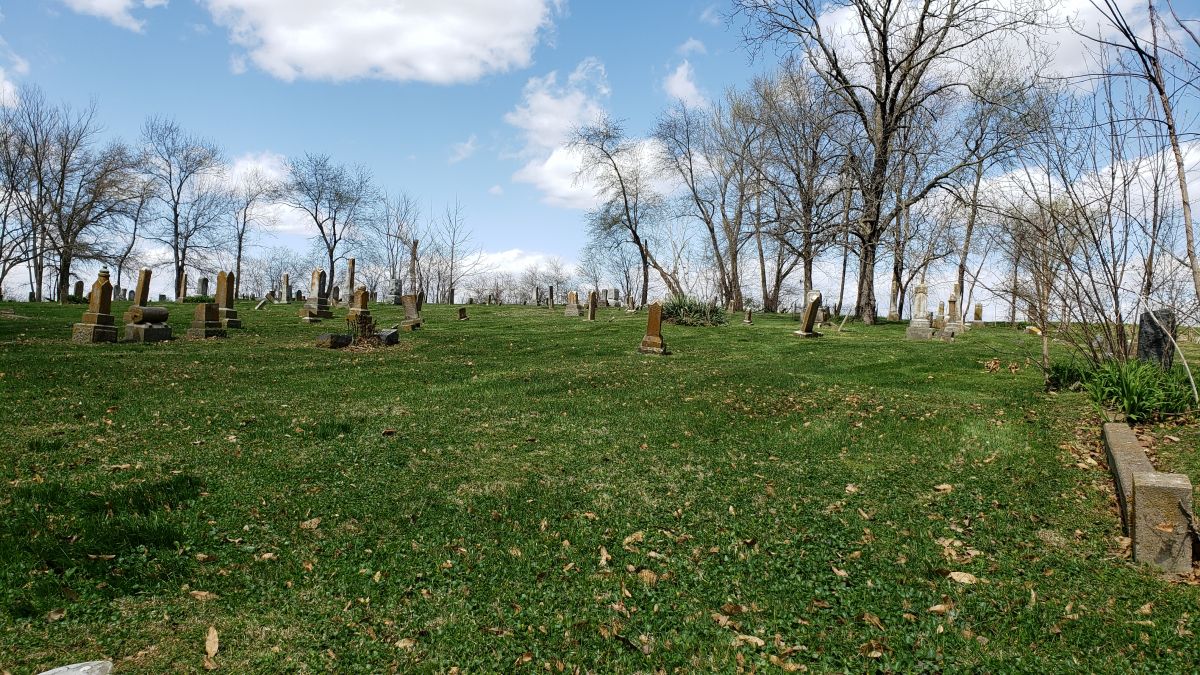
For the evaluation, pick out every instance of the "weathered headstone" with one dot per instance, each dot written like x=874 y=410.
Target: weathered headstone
x=412 y=316
x=939 y=322
x=977 y=319
x=333 y=340
x=653 y=342
x=206 y=322
x=749 y=318
x=1156 y=333
x=162 y=297
x=420 y=301
x=462 y=314
x=550 y=298
x=389 y=336
x=286 y=290
x=225 y=303
x=78 y=289
x=920 y=328
x=98 y=323
x=359 y=316
x=395 y=291
x=144 y=323
x=336 y=296
x=203 y=291
x=593 y=301
x=317 y=305
x=572 y=306
x=954 y=325
x=809 y=322
x=630 y=305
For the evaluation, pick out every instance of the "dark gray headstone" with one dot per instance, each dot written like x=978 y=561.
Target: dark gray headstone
x=1155 y=337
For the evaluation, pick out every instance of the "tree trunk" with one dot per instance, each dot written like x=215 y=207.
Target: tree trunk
x=865 y=307
x=64 y=278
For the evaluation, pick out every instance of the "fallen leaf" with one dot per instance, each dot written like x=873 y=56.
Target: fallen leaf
x=963 y=577
x=648 y=577
x=743 y=639
x=211 y=645
x=604 y=557
x=635 y=538
x=873 y=620
x=406 y=643
x=840 y=573
x=203 y=596
x=56 y=614
x=1145 y=609
x=939 y=609
x=851 y=489
x=310 y=524
x=944 y=488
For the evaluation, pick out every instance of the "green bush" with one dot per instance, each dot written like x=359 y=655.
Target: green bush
x=1069 y=374
x=685 y=311
x=1141 y=390
x=199 y=299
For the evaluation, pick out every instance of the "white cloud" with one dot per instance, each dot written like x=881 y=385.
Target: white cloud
x=438 y=41
x=273 y=167
x=513 y=260
x=681 y=84
x=549 y=111
x=117 y=12
x=711 y=15
x=463 y=150
x=692 y=46
x=496 y=191
x=9 y=94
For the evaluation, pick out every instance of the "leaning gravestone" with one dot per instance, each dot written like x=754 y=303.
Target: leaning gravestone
x=336 y=296
x=225 y=307
x=317 y=305
x=920 y=328
x=593 y=301
x=412 y=316
x=98 y=323
x=143 y=323
x=809 y=322
x=1156 y=335
x=206 y=322
x=653 y=342
x=572 y=306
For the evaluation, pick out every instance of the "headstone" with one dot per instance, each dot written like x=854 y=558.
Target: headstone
x=206 y=322
x=939 y=322
x=1156 y=332
x=98 y=323
x=412 y=265
x=262 y=303
x=550 y=298
x=629 y=304
x=653 y=342
x=204 y=286
x=143 y=323
x=317 y=305
x=78 y=289
x=286 y=290
x=462 y=314
x=954 y=325
x=412 y=316
x=977 y=320
x=162 y=297
x=298 y=295
x=389 y=336
x=808 y=323
x=749 y=318
x=572 y=307
x=920 y=327
x=420 y=301
x=31 y=296
x=225 y=301
x=359 y=316
x=593 y=301
x=395 y=290
x=350 y=277
x=333 y=340
x=336 y=296
x=86 y=668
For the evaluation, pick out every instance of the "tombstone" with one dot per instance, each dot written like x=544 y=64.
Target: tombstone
x=350 y=278
x=823 y=315
x=939 y=321
x=412 y=265
x=653 y=342
x=808 y=323
x=389 y=337
x=977 y=319
x=336 y=296
x=420 y=301
x=749 y=318
x=537 y=296
x=616 y=294
x=629 y=304
x=143 y=323
x=98 y=323
x=226 y=308
x=298 y=295
x=317 y=305
x=572 y=306
x=954 y=325
x=206 y=322
x=593 y=301
x=395 y=290
x=359 y=316
x=162 y=297
x=265 y=301
x=462 y=314
x=412 y=316
x=32 y=297
x=333 y=340
x=78 y=289
x=550 y=298
x=1155 y=340
x=286 y=290
x=920 y=328
x=203 y=287
x=129 y=295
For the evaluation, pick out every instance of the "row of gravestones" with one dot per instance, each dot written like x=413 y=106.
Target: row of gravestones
x=948 y=322
x=144 y=323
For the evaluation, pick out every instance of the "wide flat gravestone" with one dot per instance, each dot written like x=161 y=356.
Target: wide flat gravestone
x=462 y=314
x=225 y=306
x=206 y=322
x=593 y=301
x=1156 y=332
x=144 y=323
x=98 y=323
x=653 y=342
x=920 y=328
x=572 y=306
x=412 y=316
x=809 y=321
x=317 y=305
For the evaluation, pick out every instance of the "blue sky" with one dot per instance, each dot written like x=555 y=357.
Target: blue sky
x=461 y=99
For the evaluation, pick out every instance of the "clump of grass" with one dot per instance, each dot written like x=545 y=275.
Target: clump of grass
x=1142 y=391
x=683 y=310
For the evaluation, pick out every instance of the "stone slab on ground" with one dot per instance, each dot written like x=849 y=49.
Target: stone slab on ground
x=333 y=340
x=1161 y=514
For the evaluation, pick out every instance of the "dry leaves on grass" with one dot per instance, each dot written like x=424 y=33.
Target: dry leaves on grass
x=211 y=645
x=604 y=557
x=203 y=596
x=963 y=577
x=310 y=524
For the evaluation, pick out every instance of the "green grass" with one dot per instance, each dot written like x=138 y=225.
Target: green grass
x=754 y=486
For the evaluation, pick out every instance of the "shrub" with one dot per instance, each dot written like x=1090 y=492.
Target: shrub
x=1141 y=390
x=1068 y=374
x=685 y=311
x=199 y=299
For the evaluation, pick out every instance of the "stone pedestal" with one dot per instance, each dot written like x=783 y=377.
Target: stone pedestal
x=317 y=305
x=412 y=316
x=572 y=307
x=225 y=301
x=1160 y=528
x=98 y=323
x=206 y=322
x=653 y=342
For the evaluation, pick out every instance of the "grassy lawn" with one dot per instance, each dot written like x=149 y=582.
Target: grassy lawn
x=523 y=491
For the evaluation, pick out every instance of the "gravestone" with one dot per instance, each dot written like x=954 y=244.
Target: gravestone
x=1154 y=343
x=748 y=319
x=450 y=296
x=809 y=322
x=359 y=316
x=412 y=316
x=572 y=306
x=395 y=290
x=939 y=321
x=920 y=327
x=333 y=340
x=286 y=291
x=79 y=289
x=593 y=302
x=462 y=314
x=977 y=320
x=162 y=297
x=336 y=296
x=206 y=322
x=412 y=265
x=225 y=307
x=550 y=298
x=420 y=301
x=98 y=323
x=203 y=286
x=954 y=325
x=317 y=305
x=298 y=295
x=653 y=342
x=629 y=304
x=265 y=301
x=143 y=323
x=389 y=337
x=350 y=278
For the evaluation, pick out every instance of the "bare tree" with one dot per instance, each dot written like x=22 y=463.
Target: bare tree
x=248 y=199
x=454 y=257
x=393 y=230
x=335 y=198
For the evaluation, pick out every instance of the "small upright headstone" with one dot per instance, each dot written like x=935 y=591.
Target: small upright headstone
x=98 y=323
x=225 y=306
x=412 y=316
x=1156 y=333
x=78 y=289
x=206 y=322
x=143 y=323
x=420 y=301
x=629 y=304
x=653 y=342
x=939 y=322
x=809 y=322
x=395 y=291
x=749 y=318
x=954 y=325
x=359 y=316
x=317 y=305
x=462 y=314
x=162 y=297
x=572 y=306
x=203 y=286
x=920 y=328
x=593 y=301
x=336 y=296
x=286 y=290
x=977 y=319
